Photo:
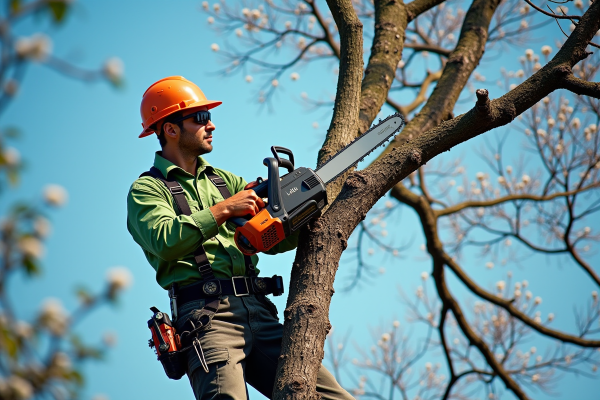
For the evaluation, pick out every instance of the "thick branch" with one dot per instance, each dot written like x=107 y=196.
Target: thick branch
x=386 y=52
x=418 y=7
x=461 y=63
x=581 y=86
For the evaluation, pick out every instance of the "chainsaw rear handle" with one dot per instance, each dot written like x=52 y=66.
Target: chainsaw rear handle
x=282 y=162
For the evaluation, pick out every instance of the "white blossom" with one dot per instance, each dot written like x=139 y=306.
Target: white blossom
x=546 y=50
x=294 y=76
x=41 y=227
x=275 y=83
x=113 y=69
x=119 y=278
x=214 y=47
x=528 y=295
x=248 y=78
x=21 y=388
x=205 y=5
x=489 y=265
x=53 y=316
x=37 y=47
x=23 y=330
x=529 y=54
x=210 y=20
x=424 y=275
x=55 y=195
x=239 y=32
x=31 y=247
x=500 y=285
x=11 y=156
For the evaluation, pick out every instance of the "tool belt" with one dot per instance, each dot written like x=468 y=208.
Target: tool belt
x=170 y=347
x=237 y=286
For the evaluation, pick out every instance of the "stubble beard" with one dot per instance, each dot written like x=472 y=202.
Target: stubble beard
x=190 y=145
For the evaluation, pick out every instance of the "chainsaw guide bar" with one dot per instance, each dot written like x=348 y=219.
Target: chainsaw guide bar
x=360 y=147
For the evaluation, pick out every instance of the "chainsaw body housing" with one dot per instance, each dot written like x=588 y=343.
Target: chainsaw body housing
x=293 y=200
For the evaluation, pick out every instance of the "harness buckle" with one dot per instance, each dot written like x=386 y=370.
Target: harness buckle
x=176 y=189
x=239 y=291
x=218 y=182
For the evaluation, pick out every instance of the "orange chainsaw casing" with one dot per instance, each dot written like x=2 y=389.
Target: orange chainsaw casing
x=262 y=231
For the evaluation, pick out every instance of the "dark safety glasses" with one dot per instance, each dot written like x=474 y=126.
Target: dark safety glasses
x=200 y=117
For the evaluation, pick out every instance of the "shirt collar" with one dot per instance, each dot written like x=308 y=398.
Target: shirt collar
x=165 y=166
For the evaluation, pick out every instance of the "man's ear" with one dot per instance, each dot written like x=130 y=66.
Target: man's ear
x=171 y=130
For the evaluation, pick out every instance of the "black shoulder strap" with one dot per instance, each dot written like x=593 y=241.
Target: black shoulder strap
x=179 y=196
x=175 y=189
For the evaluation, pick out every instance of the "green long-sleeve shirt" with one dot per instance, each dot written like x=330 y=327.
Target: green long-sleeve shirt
x=168 y=239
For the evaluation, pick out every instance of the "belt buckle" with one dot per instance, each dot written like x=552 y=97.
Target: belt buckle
x=235 y=292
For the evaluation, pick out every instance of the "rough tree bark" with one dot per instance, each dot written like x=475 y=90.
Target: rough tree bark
x=431 y=133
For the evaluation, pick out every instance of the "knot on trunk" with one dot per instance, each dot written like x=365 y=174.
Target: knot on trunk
x=563 y=70
x=357 y=179
x=483 y=101
x=415 y=156
x=298 y=384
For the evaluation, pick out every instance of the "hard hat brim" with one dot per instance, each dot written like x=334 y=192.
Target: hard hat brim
x=205 y=103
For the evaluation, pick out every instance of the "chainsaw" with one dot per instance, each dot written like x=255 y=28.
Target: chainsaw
x=299 y=196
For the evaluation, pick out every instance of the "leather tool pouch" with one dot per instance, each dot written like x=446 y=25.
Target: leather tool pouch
x=174 y=363
x=167 y=344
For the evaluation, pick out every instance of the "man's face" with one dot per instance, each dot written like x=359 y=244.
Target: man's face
x=195 y=138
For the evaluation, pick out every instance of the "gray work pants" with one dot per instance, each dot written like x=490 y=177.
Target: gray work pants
x=242 y=345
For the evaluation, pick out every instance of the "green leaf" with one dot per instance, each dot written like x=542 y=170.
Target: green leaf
x=76 y=377
x=15 y=5
x=31 y=268
x=58 y=9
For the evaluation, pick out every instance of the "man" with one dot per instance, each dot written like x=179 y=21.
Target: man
x=242 y=341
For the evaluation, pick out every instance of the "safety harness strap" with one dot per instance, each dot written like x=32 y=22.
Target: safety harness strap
x=178 y=194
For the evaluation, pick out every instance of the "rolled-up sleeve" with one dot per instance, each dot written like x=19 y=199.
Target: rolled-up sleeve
x=154 y=225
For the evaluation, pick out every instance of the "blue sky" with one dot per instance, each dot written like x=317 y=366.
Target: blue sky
x=84 y=137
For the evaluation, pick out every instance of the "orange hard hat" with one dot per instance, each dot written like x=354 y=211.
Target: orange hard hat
x=168 y=96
